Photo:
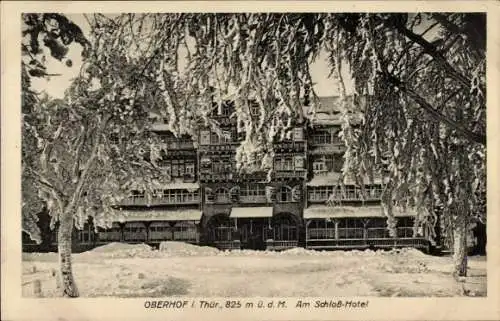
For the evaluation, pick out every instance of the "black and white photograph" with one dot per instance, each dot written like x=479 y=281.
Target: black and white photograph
x=235 y=155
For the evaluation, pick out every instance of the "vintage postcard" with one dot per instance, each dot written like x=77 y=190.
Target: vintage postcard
x=250 y=160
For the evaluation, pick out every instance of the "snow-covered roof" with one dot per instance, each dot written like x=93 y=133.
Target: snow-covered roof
x=334 y=178
x=328 y=112
x=240 y=212
x=160 y=215
x=324 y=211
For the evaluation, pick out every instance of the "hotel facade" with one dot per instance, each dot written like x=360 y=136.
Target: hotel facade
x=304 y=204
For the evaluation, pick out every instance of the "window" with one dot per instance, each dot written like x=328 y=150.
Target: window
x=350 y=192
x=214 y=138
x=284 y=164
x=298 y=134
x=190 y=168
x=178 y=196
x=299 y=162
x=177 y=168
x=137 y=194
x=285 y=194
x=322 y=193
x=338 y=163
x=219 y=166
x=226 y=137
x=252 y=192
x=374 y=191
x=322 y=138
x=222 y=195
x=319 y=166
x=205 y=137
x=254 y=109
x=225 y=110
x=329 y=162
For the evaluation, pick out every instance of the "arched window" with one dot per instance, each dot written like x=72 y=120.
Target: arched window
x=222 y=196
x=285 y=194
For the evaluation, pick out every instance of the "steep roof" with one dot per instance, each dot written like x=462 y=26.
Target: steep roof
x=328 y=110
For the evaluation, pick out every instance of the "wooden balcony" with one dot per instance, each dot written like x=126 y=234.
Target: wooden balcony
x=359 y=238
x=180 y=145
x=256 y=176
x=215 y=177
x=219 y=148
x=333 y=142
x=349 y=195
x=253 y=199
x=357 y=233
x=289 y=146
x=279 y=245
x=290 y=173
x=186 y=198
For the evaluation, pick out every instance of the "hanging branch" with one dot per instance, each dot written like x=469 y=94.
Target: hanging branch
x=466 y=133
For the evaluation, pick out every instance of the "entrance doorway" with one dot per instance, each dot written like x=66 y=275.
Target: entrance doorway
x=253 y=233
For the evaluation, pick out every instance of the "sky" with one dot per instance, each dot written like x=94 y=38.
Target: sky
x=55 y=86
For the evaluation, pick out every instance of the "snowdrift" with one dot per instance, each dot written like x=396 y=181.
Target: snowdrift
x=185 y=249
x=120 y=250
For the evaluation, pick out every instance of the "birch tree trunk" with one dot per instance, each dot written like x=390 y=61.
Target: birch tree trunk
x=460 y=250
x=68 y=285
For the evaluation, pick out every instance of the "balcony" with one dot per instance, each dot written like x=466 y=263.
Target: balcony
x=327 y=149
x=329 y=193
x=318 y=141
x=250 y=176
x=289 y=173
x=357 y=233
x=216 y=177
x=290 y=146
x=253 y=199
x=222 y=147
x=170 y=199
x=180 y=145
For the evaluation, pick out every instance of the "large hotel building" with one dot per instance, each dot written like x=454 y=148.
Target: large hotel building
x=303 y=205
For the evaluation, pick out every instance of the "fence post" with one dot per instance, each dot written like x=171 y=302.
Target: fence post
x=37 y=288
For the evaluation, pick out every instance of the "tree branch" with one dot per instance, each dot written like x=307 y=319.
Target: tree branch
x=466 y=133
x=443 y=20
x=86 y=168
x=431 y=50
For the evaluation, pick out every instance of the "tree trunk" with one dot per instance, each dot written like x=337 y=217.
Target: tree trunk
x=460 y=250
x=67 y=282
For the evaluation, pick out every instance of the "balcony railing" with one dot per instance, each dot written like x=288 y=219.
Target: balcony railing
x=291 y=145
x=278 y=245
x=215 y=176
x=357 y=233
x=186 y=198
x=278 y=173
x=219 y=147
x=354 y=195
x=253 y=199
x=331 y=142
x=180 y=145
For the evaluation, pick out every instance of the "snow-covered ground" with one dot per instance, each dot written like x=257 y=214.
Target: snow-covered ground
x=178 y=269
